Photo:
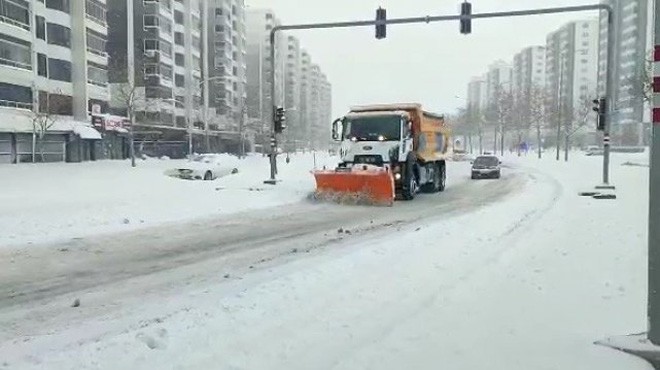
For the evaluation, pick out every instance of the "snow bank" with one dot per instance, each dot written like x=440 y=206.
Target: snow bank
x=48 y=202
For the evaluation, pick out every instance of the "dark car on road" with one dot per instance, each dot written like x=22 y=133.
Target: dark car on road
x=486 y=166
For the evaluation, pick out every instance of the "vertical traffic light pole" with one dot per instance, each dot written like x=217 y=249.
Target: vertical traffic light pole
x=609 y=99
x=273 y=134
x=465 y=28
x=653 y=305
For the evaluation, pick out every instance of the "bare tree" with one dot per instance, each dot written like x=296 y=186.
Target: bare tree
x=43 y=116
x=498 y=113
x=579 y=118
x=505 y=114
x=537 y=101
x=132 y=99
x=521 y=116
x=641 y=82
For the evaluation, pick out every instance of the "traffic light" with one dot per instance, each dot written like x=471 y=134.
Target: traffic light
x=280 y=120
x=381 y=28
x=600 y=107
x=466 y=22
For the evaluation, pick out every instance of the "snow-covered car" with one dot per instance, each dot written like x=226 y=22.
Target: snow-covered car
x=486 y=166
x=203 y=167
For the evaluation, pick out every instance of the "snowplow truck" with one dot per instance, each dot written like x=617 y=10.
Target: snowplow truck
x=387 y=152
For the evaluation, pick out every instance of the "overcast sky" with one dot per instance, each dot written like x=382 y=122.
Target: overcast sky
x=426 y=63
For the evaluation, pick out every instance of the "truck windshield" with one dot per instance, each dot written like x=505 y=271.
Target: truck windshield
x=374 y=128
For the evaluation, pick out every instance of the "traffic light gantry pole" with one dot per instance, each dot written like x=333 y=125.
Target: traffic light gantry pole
x=465 y=19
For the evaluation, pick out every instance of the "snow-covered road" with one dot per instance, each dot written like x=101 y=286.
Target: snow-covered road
x=511 y=274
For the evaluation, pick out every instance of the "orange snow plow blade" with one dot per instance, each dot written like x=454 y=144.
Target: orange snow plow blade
x=371 y=186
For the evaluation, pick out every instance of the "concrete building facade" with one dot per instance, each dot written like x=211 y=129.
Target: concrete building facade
x=528 y=70
x=631 y=21
x=227 y=45
x=53 y=61
x=572 y=67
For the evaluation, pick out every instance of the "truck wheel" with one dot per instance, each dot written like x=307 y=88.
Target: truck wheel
x=443 y=177
x=435 y=185
x=410 y=181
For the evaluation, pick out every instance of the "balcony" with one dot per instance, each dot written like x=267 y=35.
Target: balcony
x=97 y=56
x=15 y=29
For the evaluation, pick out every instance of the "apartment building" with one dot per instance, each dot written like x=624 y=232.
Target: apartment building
x=325 y=115
x=477 y=98
x=306 y=103
x=227 y=45
x=53 y=59
x=259 y=101
x=572 y=67
x=498 y=80
x=292 y=93
x=168 y=67
x=632 y=53
x=528 y=70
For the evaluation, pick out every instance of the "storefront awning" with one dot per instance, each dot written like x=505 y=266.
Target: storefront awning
x=87 y=132
x=81 y=129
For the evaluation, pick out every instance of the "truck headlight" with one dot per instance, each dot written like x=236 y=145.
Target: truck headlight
x=397 y=176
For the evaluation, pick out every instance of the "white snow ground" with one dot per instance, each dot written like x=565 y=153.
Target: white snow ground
x=45 y=203
x=528 y=283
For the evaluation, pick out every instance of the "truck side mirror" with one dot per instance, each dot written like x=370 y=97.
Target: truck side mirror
x=336 y=129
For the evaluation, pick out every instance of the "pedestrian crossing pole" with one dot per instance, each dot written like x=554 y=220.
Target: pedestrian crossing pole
x=653 y=307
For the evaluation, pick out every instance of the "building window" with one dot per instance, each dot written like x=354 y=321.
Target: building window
x=151 y=69
x=179 y=80
x=150 y=21
x=178 y=17
x=166 y=72
x=95 y=42
x=59 y=35
x=178 y=38
x=40 y=23
x=42 y=65
x=218 y=11
x=179 y=59
x=61 y=5
x=97 y=75
x=95 y=11
x=59 y=70
x=234 y=71
x=60 y=104
x=15 y=53
x=15 y=13
x=15 y=96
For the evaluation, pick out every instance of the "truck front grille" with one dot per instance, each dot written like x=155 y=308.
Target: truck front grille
x=376 y=160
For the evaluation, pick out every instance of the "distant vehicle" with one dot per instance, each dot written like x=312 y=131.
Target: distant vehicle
x=203 y=167
x=486 y=166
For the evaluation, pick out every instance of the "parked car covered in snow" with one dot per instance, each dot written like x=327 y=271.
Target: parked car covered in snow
x=203 y=167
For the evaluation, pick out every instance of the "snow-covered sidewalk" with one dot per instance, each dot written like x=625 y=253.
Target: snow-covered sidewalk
x=50 y=202
x=527 y=283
